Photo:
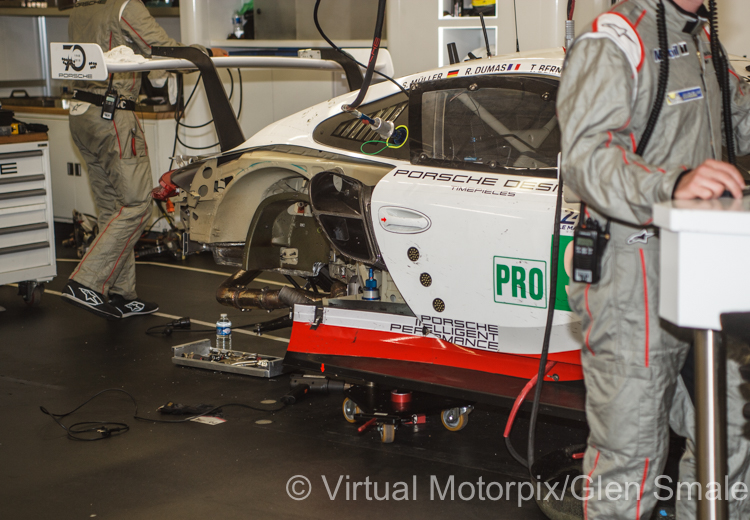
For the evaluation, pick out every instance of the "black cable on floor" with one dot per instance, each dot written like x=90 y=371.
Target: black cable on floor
x=212 y=411
x=97 y=430
x=183 y=325
x=84 y=431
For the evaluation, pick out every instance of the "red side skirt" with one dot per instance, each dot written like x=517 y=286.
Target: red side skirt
x=344 y=341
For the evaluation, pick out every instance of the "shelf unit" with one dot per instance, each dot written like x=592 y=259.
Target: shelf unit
x=467 y=39
x=416 y=47
x=448 y=6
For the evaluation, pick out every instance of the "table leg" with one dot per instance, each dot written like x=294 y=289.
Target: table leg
x=711 y=422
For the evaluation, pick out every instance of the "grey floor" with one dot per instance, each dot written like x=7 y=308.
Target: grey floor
x=57 y=356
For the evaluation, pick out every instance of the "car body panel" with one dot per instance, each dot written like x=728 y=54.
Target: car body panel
x=484 y=237
x=504 y=225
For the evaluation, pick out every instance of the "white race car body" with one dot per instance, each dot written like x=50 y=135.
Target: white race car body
x=451 y=217
x=467 y=246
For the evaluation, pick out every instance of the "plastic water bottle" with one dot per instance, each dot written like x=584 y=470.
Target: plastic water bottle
x=238 y=28
x=224 y=333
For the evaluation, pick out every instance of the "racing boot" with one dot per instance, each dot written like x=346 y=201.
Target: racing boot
x=90 y=300
x=129 y=308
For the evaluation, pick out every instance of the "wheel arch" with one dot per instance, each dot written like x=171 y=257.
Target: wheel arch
x=243 y=197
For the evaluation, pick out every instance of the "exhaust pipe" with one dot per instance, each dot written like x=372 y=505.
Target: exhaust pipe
x=234 y=292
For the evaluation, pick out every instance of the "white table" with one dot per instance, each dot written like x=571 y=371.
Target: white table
x=705 y=249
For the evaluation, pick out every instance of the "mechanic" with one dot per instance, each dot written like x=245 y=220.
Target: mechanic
x=112 y=142
x=631 y=360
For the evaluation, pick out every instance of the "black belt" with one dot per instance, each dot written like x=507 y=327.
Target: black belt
x=96 y=99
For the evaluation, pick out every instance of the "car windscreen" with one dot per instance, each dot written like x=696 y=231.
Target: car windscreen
x=487 y=123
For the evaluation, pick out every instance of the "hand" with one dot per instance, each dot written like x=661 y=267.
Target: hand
x=709 y=181
x=217 y=52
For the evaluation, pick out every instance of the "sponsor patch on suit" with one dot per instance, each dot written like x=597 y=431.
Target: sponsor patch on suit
x=684 y=96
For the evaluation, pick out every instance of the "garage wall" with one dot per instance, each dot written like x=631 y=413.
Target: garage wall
x=734 y=16
x=20 y=59
x=418 y=30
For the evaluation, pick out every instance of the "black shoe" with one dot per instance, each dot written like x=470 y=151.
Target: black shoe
x=128 y=308
x=89 y=299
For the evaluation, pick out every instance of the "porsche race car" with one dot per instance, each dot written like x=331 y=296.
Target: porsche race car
x=430 y=246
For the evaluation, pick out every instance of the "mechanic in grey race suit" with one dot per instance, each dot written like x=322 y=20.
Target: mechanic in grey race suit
x=116 y=156
x=632 y=360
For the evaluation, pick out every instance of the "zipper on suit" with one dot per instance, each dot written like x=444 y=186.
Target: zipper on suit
x=702 y=63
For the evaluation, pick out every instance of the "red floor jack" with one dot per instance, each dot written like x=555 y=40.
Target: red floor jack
x=387 y=410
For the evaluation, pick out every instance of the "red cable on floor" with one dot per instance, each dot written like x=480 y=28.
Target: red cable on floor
x=522 y=396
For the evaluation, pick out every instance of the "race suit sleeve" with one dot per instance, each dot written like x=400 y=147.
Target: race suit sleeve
x=740 y=111
x=594 y=107
x=138 y=23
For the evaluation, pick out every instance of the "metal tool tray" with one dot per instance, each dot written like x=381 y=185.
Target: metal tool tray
x=203 y=348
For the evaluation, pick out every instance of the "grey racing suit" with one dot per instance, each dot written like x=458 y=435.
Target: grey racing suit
x=631 y=359
x=114 y=150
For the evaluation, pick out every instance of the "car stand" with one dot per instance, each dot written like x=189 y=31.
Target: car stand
x=388 y=410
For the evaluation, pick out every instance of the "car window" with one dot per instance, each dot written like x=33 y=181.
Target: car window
x=490 y=123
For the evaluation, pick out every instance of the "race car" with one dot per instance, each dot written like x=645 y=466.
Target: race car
x=431 y=246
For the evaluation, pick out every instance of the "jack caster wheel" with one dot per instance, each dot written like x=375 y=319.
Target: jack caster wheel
x=455 y=419
x=387 y=433
x=350 y=408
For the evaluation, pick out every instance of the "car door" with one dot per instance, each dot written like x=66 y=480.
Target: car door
x=466 y=229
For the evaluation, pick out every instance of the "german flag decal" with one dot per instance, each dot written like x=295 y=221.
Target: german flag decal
x=452 y=73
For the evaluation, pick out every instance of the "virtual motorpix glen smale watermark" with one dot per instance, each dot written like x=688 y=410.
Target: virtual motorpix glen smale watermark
x=582 y=487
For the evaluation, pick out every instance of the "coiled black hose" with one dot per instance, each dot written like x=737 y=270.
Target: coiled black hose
x=661 y=91
x=722 y=74
x=346 y=54
x=373 y=57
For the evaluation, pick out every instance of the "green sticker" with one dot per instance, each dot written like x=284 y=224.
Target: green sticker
x=563 y=280
x=520 y=281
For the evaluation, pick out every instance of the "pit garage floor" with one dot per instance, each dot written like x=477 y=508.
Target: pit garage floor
x=57 y=356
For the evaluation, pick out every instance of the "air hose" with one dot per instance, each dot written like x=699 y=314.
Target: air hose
x=661 y=91
x=543 y=366
x=548 y=326
x=722 y=74
x=373 y=57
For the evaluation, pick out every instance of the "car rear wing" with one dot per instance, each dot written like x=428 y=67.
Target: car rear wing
x=87 y=61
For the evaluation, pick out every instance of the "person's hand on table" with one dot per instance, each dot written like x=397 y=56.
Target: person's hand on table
x=709 y=181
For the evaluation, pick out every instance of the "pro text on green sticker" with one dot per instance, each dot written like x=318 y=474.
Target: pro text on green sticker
x=520 y=281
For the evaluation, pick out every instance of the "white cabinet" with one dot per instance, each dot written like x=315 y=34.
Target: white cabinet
x=27 y=245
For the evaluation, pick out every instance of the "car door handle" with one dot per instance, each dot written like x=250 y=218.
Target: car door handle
x=403 y=220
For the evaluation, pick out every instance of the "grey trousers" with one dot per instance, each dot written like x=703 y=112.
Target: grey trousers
x=120 y=177
x=632 y=362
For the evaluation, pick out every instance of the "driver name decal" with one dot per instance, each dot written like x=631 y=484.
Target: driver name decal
x=554 y=69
